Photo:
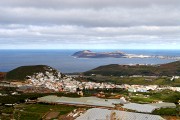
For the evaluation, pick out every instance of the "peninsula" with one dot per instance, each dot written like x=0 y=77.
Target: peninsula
x=117 y=54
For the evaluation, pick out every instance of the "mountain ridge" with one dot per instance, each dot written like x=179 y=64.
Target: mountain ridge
x=168 y=69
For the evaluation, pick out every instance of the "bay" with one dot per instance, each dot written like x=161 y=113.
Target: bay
x=64 y=62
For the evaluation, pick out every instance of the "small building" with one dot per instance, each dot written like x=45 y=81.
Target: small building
x=5 y=84
x=132 y=90
x=122 y=100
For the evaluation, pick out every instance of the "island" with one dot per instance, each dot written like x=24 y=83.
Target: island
x=90 y=54
x=117 y=54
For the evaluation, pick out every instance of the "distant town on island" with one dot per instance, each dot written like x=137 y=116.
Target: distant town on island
x=118 y=54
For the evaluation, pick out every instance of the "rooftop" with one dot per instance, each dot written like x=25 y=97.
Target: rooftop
x=92 y=101
x=104 y=114
x=146 y=108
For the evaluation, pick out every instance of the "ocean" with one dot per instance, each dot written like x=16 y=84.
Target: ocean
x=64 y=62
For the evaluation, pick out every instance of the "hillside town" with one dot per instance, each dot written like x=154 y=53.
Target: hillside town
x=70 y=84
x=136 y=102
x=57 y=83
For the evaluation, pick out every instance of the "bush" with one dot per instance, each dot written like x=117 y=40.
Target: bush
x=165 y=111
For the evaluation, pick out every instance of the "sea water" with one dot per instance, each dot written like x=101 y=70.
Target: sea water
x=66 y=63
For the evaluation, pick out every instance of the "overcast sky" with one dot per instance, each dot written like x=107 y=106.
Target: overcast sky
x=89 y=24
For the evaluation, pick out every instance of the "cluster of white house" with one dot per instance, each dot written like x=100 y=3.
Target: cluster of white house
x=174 y=77
x=56 y=82
x=146 y=88
x=67 y=83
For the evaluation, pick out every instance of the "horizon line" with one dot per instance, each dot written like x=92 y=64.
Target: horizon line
x=91 y=49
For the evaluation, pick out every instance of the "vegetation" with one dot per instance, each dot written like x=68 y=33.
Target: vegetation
x=141 y=99
x=7 y=90
x=107 y=92
x=34 y=111
x=167 y=96
x=135 y=80
x=164 y=95
x=11 y=99
x=127 y=70
x=165 y=111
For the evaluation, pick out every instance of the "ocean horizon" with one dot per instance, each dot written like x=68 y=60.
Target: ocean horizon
x=62 y=59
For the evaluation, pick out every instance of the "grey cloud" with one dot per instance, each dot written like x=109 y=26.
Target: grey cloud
x=68 y=30
x=73 y=34
x=89 y=23
x=90 y=17
x=87 y=3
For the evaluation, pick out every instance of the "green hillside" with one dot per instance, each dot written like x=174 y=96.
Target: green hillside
x=20 y=73
x=169 y=69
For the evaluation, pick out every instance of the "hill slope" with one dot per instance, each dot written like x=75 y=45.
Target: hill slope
x=22 y=72
x=169 y=69
x=2 y=75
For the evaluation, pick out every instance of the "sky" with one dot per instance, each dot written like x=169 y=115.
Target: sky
x=89 y=24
